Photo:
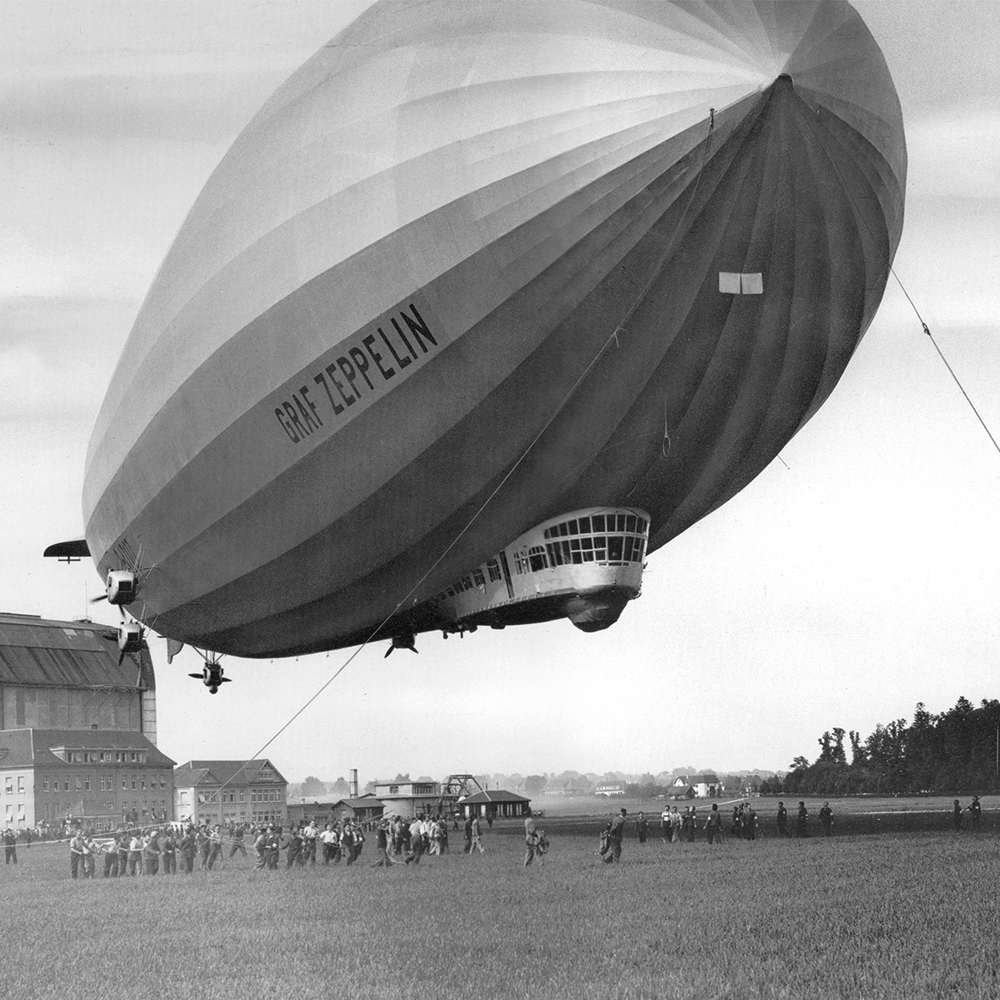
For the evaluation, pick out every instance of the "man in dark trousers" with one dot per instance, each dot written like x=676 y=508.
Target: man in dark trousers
x=975 y=810
x=9 y=847
x=614 y=852
x=782 y=820
x=826 y=818
x=802 y=821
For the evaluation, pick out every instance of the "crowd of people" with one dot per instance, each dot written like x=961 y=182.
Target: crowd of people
x=678 y=825
x=173 y=847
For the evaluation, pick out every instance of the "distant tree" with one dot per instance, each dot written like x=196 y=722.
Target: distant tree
x=535 y=784
x=340 y=787
x=857 y=750
x=402 y=778
x=839 y=753
x=313 y=786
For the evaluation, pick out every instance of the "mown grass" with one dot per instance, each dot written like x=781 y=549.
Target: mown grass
x=909 y=915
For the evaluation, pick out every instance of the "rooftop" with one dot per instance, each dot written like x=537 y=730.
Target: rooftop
x=33 y=747
x=236 y=773
x=38 y=652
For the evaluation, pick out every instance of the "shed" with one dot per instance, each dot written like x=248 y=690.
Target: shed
x=498 y=804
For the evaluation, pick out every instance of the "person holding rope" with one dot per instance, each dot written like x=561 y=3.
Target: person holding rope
x=76 y=854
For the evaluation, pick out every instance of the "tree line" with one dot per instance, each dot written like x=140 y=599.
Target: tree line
x=955 y=751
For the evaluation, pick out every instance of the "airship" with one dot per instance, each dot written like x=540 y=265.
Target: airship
x=491 y=300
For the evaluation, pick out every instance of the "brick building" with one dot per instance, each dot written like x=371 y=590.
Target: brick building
x=217 y=791
x=52 y=776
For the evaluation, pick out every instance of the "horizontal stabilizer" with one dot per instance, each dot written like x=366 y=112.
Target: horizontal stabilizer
x=77 y=549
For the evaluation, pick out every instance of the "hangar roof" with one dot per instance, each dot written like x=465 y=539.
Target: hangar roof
x=37 y=652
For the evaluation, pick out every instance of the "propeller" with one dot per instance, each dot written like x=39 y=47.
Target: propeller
x=402 y=642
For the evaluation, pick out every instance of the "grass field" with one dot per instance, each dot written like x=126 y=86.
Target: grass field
x=893 y=915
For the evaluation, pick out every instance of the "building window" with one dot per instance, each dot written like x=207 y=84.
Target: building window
x=9 y=785
x=86 y=784
x=65 y=784
x=45 y=784
x=20 y=784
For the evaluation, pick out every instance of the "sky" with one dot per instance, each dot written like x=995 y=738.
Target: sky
x=854 y=578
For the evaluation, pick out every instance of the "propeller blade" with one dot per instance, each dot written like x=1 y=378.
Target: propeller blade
x=121 y=656
x=388 y=651
x=196 y=676
x=100 y=597
x=225 y=680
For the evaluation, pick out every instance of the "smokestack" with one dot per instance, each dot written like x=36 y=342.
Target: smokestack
x=354 y=783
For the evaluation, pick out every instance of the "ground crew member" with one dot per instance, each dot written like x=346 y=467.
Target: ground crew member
x=713 y=825
x=110 y=852
x=169 y=848
x=189 y=848
x=782 y=820
x=151 y=852
x=976 y=810
x=530 y=839
x=294 y=846
x=238 y=845
x=135 y=854
x=826 y=818
x=615 y=834
x=260 y=847
x=640 y=827
x=802 y=821
x=476 y=843
x=214 y=845
x=122 y=850
x=382 y=846
x=9 y=847
x=76 y=854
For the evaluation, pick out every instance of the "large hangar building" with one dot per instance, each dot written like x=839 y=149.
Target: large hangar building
x=77 y=728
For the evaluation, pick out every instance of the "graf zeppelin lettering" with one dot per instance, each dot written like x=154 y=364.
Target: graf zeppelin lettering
x=359 y=370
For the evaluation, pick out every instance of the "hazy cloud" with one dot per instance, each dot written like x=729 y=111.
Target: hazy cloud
x=57 y=355
x=192 y=108
x=955 y=153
